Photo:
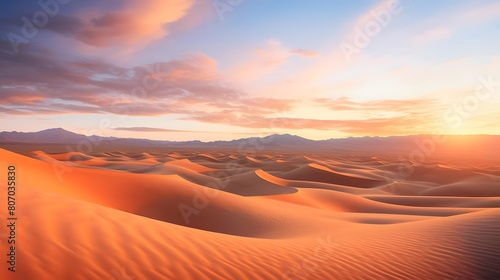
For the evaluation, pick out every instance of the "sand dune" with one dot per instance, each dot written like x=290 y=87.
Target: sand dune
x=186 y=163
x=319 y=173
x=204 y=157
x=257 y=183
x=224 y=215
x=440 y=201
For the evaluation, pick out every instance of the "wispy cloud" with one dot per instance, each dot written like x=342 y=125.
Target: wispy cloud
x=380 y=117
x=267 y=60
x=156 y=129
x=375 y=126
x=346 y=104
x=432 y=35
x=305 y=53
x=166 y=130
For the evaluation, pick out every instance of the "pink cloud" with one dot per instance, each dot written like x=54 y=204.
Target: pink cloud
x=267 y=60
x=305 y=53
x=20 y=96
x=37 y=81
x=379 y=117
x=156 y=129
x=481 y=13
x=137 y=23
x=195 y=66
x=432 y=35
x=346 y=104
x=374 y=126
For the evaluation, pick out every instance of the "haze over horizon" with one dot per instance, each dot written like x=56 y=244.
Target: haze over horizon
x=184 y=69
x=243 y=135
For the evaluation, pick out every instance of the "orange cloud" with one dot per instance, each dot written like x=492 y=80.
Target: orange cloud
x=381 y=117
x=20 y=96
x=305 y=53
x=137 y=23
x=344 y=103
x=195 y=66
x=375 y=126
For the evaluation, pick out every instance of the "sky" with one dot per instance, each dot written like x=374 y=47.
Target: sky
x=227 y=69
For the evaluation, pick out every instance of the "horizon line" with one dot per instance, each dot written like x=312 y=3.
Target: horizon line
x=244 y=133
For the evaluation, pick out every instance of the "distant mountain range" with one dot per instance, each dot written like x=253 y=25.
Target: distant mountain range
x=62 y=136
x=470 y=144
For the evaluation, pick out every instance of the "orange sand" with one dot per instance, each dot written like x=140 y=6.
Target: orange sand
x=223 y=215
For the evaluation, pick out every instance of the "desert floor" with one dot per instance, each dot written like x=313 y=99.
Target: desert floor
x=217 y=214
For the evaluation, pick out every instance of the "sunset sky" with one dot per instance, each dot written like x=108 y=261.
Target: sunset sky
x=226 y=69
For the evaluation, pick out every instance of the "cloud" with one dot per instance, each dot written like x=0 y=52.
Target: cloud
x=339 y=61
x=65 y=25
x=432 y=35
x=155 y=129
x=479 y=13
x=38 y=81
x=375 y=126
x=380 y=117
x=335 y=62
x=346 y=104
x=305 y=53
x=466 y=15
x=193 y=67
x=270 y=104
x=329 y=72
x=112 y=27
x=20 y=96
x=267 y=60
x=368 y=15
x=135 y=23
